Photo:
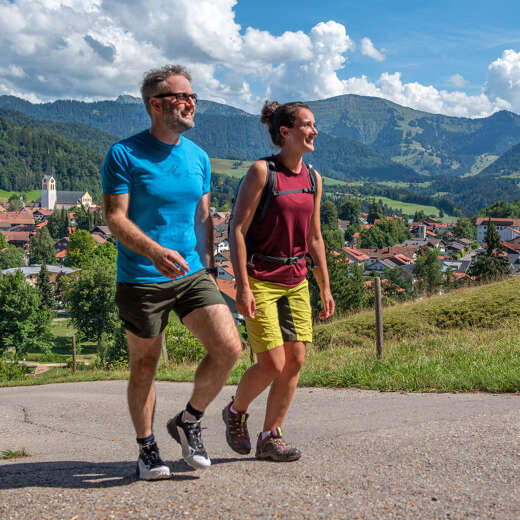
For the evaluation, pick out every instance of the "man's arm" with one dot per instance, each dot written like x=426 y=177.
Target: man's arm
x=204 y=232
x=168 y=262
x=317 y=251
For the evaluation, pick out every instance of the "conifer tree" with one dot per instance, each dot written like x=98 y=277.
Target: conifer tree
x=46 y=290
x=41 y=248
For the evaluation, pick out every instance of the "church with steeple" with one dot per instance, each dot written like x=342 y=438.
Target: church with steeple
x=52 y=199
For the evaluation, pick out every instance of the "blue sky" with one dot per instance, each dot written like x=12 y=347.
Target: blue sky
x=459 y=58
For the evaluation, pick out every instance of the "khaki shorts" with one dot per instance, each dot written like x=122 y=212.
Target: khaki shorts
x=144 y=308
x=283 y=314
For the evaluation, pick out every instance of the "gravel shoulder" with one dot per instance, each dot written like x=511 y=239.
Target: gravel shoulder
x=366 y=455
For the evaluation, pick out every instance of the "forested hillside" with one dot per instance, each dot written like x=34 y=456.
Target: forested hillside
x=507 y=165
x=26 y=154
x=92 y=138
x=429 y=143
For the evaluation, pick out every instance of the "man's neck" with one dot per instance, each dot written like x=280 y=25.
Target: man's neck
x=164 y=134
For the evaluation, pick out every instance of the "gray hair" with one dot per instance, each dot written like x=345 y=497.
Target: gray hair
x=153 y=81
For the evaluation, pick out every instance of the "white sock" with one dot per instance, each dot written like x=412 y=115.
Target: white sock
x=266 y=434
x=233 y=410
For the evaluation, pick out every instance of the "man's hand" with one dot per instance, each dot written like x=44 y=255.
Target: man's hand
x=328 y=304
x=169 y=263
x=246 y=303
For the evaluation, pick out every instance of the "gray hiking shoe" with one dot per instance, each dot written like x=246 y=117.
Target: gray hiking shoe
x=274 y=448
x=187 y=434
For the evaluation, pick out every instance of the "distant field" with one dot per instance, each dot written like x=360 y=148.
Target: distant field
x=237 y=168
x=30 y=196
x=406 y=207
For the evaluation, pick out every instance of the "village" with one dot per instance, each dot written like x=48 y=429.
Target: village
x=456 y=253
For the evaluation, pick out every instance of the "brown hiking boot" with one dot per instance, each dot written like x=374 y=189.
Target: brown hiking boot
x=237 y=435
x=274 y=448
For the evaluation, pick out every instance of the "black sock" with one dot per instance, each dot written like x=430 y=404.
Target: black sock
x=195 y=413
x=144 y=441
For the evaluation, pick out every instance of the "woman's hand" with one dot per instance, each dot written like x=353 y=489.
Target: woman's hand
x=246 y=303
x=328 y=304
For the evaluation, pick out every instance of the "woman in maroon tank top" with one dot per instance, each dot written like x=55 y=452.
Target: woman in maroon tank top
x=270 y=271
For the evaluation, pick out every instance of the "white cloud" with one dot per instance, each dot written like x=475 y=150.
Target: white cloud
x=95 y=49
x=503 y=81
x=368 y=49
x=457 y=80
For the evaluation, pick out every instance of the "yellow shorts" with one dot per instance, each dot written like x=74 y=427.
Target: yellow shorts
x=283 y=314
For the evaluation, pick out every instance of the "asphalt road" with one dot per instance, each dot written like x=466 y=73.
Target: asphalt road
x=366 y=455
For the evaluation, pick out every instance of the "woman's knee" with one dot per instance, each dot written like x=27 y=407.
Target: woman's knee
x=271 y=365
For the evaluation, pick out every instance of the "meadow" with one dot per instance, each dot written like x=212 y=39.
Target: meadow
x=465 y=341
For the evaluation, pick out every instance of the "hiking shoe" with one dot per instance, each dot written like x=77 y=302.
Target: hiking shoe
x=150 y=466
x=187 y=434
x=274 y=448
x=237 y=435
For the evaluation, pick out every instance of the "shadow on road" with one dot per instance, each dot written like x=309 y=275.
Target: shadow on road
x=84 y=474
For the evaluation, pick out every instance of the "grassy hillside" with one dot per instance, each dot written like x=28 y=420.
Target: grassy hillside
x=467 y=340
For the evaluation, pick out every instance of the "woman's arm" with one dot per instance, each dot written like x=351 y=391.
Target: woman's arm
x=248 y=199
x=317 y=251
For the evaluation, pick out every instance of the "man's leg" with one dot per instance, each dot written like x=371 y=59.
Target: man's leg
x=214 y=326
x=144 y=355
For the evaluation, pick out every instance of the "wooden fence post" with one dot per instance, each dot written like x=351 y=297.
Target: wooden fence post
x=74 y=354
x=379 y=319
x=164 y=350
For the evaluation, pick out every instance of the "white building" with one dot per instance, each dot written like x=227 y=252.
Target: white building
x=52 y=199
x=508 y=228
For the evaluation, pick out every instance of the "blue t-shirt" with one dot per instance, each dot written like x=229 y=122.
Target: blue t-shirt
x=165 y=184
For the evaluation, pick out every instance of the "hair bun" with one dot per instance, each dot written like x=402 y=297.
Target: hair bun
x=268 y=110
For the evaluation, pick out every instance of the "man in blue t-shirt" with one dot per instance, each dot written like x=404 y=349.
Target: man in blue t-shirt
x=156 y=194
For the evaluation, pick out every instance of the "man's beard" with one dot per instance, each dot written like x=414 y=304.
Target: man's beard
x=172 y=118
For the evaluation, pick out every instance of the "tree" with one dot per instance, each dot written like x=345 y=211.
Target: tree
x=107 y=251
x=346 y=283
x=15 y=202
x=419 y=216
x=493 y=264
x=396 y=281
x=23 y=324
x=90 y=299
x=47 y=298
x=375 y=212
x=329 y=216
x=465 y=229
x=58 y=224
x=3 y=242
x=11 y=256
x=428 y=270
x=79 y=249
x=41 y=248
x=352 y=230
x=385 y=233
x=349 y=209
x=86 y=219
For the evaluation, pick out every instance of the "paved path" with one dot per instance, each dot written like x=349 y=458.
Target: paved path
x=367 y=455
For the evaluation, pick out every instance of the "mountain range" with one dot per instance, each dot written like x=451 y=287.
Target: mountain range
x=360 y=137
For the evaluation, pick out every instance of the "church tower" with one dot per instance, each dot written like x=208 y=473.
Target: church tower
x=48 y=198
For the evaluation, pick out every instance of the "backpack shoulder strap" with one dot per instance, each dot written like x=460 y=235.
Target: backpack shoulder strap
x=269 y=191
x=312 y=178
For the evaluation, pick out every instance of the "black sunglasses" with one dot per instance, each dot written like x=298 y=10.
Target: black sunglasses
x=179 y=96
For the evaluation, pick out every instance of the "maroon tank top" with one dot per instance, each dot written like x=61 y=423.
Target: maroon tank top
x=284 y=230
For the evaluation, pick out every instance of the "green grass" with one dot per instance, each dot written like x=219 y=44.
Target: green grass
x=238 y=169
x=13 y=454
x=235 y=168
x=406 y=207
x=30 y=196
x=464 y=341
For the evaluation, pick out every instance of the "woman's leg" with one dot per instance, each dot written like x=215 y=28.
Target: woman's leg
x=284 y=385
x=258 y=377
